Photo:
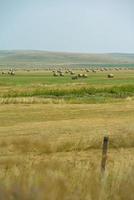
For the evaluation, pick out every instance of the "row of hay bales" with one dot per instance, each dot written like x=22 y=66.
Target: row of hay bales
x=61 y=73
x=103 y=69
x=66 y=70
x=79 y=76
x=58 y=74
x=10 y=72
x=86 y=76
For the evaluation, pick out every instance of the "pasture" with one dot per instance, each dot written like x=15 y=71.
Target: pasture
x=42 y=86
x=51 y=131
x=45 y=77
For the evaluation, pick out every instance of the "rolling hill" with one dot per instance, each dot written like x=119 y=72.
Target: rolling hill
x=48 y=58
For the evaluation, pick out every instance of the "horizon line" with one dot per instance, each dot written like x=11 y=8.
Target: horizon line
x=71 y=52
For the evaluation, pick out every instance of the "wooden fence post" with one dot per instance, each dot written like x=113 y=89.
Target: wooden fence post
x=104 y=154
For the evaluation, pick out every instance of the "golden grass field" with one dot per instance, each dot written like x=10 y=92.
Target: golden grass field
x=53 y=151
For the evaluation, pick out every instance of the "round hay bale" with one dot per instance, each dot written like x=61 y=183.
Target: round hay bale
x=12 y=73
x=110 y=75
x=55 y=74
x=85 y=76
x=61 y=74
x=94 y=71
x=80 y=75
x=72 y=73
x=74 y=77
x=87 y=70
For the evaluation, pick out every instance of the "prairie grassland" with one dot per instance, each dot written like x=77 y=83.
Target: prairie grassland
x=53 y=151
x=42 y=87
x=44 y=77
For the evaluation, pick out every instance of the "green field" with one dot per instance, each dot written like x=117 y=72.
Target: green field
x=42 y=85
x=43 y=77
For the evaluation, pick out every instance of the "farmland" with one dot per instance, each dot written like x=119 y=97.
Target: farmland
x=51 y=132
x=42 y=86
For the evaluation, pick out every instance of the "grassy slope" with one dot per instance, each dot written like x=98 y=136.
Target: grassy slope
x=44 y=57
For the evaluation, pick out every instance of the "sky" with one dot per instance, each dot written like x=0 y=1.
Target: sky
x=91 y=26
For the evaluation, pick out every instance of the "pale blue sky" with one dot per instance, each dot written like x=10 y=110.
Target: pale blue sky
x=93 y=26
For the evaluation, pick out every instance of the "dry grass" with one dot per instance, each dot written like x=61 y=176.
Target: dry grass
x=53 y=151
x=54 y=179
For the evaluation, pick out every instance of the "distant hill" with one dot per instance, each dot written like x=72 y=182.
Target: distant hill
x=46 y=58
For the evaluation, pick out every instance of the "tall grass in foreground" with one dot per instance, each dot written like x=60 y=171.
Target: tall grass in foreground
x=57 y=180
x=34 y=171
x=43 y=145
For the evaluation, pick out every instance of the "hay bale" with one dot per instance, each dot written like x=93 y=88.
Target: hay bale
x=85 y=76
x=80 y=75
x=74 y=77
x=59 y=71
x=93 y=70
x=61 y=74
x=12 y=73
x=72 y=73
x=110 y=75
x=55 y=74
x=87 y=70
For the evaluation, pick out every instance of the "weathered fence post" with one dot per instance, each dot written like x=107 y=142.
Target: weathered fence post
x=104 y=154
